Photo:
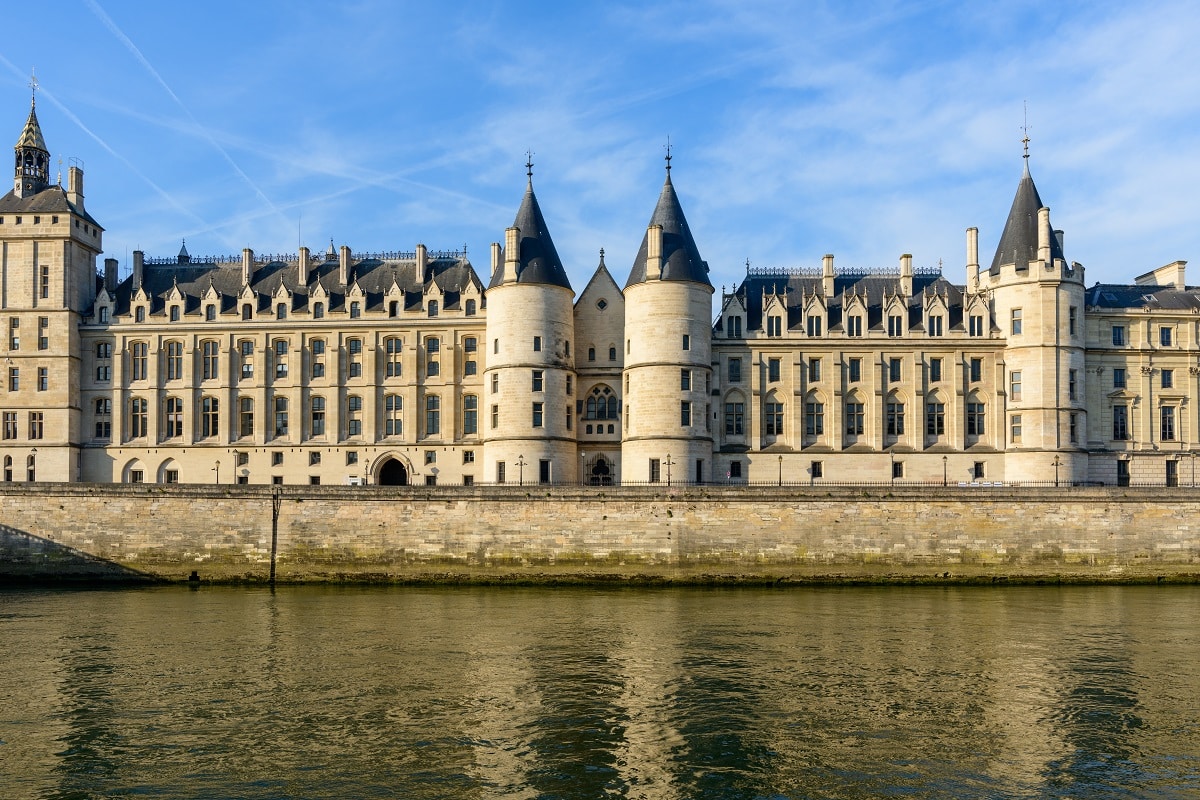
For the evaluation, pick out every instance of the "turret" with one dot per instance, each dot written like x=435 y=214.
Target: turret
x=530 y=377
x=666 y=432
x=32 y=170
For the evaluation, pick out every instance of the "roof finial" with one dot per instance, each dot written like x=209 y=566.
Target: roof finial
x=1025 y=128
x=747 y=266
x=60 y=170
x=668 y=156
x=33 y=86
x=601 y=256
x=529 y=165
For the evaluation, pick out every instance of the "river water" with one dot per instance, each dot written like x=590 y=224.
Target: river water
x=586 y=693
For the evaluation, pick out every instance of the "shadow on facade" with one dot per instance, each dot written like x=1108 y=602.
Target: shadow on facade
x=28 y=559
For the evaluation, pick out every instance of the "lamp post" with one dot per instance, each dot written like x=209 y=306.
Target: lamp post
x=521 y=470
x=31 y=470
x=781 y=470
x=1057 y=463
x=582 y=468
x=217 y=472
x=945 y=460
x=366 y=470
x=892 y=466
x=668 y=464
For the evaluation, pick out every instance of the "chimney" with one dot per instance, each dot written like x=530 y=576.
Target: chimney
x=972 y=259
x=1044 y=235
x=75 y=186
x=654 y=244
x=512 y=253
x=344 y=265
x=138 y=270
x=497 y=260
x=422 y=262
x=110 y=275
x=247 y=265
x=827 y=275
x=303 y=265
x=906 y=274
x=1058 y=237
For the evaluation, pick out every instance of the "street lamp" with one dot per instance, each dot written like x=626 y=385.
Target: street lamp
x=945 y=459
x=1057 y=462
x=582 y=468
x=781 y=470
x=668 y=464
x=366 y=470
x=217 y=472
x=892 y=460
x=521 y=470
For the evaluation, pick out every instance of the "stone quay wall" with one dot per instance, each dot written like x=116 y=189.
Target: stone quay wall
x=570 y=534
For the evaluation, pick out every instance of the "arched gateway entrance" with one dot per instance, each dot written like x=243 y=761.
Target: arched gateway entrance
x=392 y=473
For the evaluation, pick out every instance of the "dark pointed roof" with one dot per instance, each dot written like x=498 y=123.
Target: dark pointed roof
x=1019 y=242
x=681 y=259
x=31 y=135
x=539 y=260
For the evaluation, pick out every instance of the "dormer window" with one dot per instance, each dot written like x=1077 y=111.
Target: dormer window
x=733 y=327
x=470 y=308
x=210 y=313
x=139 y=314
x=318 y=310
x=281 y=311
x=433 y=308
x=174 y=313
x=355 y=310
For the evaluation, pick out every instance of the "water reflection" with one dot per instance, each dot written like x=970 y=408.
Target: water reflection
x=588 y=693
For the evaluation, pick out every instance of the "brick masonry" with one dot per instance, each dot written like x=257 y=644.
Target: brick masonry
x=693 y=534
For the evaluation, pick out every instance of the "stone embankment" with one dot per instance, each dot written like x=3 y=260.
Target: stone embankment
x=637 y=535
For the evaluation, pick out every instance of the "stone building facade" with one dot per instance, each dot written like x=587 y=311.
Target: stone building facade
x=408 y=368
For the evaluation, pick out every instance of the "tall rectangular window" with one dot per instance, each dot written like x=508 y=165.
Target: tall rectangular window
x=43 y=333
x=1014 y=384
x=855 y=370
x=10 y=425
x=976 y=325
x=281 y=364
x=935 y=325
x=655 y=470
x=895 y=325
x=854 y=325
x=935 y=370
x=36 y=423
x=814 y=370
x=1118 y=377
x=1120 y=428
x=773 y=418
x=14 y=333
x=814 y=325
x=685 y=380
x=895 y=419
x=734 y=419
x=1167 y=432
x=470 y=414
x=316 y=420
x=976 y=368
x=685 y=413
x=537 y=344
x=538 y=380
x=538 y=414
x=1164 y=336
x=43 y=379
x=245 y=417
x=1072 y=314
x=45 y=283
x=855 y=419
x=209 y=355
x=174 y=361
x=1017 y=321
x=814 y=419
x=433 y=415
x=1168 y=379
x=735 y=370
x=687 y=342
x=975 y=419
x=1071 y=384
x=774 y=326
x=894 y=370
x=392 y=349
x=1118 y=335
x=138 y=358
x=773 y=369
x=1015 y=428
x=935 y=419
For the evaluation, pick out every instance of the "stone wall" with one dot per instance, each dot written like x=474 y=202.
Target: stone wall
x=636 y=533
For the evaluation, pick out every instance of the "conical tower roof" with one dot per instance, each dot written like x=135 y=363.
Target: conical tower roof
x=681 y=259
x=1019 y=242
x=31 y=135
x=539 y=262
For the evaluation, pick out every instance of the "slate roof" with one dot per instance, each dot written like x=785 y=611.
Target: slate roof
x=48 y=201
x=539 y=262
x=797 y=287
x=1019 y=242
x=373 y=276
x=1159 y=298
x=681 y=258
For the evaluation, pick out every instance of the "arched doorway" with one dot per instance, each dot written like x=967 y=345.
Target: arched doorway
x=392 y=473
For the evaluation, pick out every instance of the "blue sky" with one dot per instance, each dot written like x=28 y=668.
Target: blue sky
x=866 y=130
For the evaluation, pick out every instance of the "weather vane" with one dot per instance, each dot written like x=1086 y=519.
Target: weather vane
x=33 y=85
x=1025 y=128
x=668 y=155
x=529 y=164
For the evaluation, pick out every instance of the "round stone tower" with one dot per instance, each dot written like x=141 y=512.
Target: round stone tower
x=667 y=436
x=1037 y=300
x=529 y=384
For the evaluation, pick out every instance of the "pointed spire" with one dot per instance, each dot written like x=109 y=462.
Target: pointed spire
x=1019 y=241
x=681 y=259
x=602 y=256
x=538 y=260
